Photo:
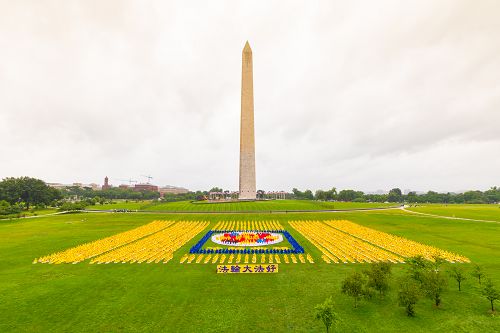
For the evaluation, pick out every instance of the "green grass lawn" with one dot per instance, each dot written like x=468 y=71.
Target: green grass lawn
x=480 y=212
x=262 y=206
x=122 y=204
x=177 y=297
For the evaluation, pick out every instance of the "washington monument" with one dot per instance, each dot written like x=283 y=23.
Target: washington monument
x=247 y=138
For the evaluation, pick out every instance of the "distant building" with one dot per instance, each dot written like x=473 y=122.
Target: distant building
x=276 y=195
x=58 y=186
x=106 y=185
x=94 y=186
x=145 y=187
x=172 y=190
x=223 y=196
x=124 y=186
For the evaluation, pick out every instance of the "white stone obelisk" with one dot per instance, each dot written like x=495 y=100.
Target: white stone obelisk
x=247 y=137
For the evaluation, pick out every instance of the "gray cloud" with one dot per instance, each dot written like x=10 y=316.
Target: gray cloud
x=348 y=94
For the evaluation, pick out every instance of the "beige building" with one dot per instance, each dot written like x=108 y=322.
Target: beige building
x=60 y=186
x=145 y=187
x=172 y=189
x=93 y=186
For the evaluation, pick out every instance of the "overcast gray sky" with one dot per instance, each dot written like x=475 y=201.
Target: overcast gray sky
x=354 y=94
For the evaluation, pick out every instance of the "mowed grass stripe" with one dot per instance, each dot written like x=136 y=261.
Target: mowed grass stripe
x=395 y=244
x=93 y=249
x=158 y=247
x=261 y=206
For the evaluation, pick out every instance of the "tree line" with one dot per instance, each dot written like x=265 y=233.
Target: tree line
x=19 y=194
x=395 y=195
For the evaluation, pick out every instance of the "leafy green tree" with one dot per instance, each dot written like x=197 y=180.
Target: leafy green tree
x=325 y=313
x=492 y=195
x=378 y=276
x=52 y=195
x=308 y=195
x=349 y=195
x=416 y=267
x=8 y=209
x=298 y=194
x=376 y=197
x=491 y=293
x=320 y=195
x=332 y=194
x=326 y=195
x=477 y=272
x=395 y=195
x=433 y=285
x=408 y=295
x=458 y=274
x=90 y=201
x=411 y=197
x=354 y=286
x=73 y=206
x=432 y=197
x=437 y=262
x=474 y=197
x=9 y=190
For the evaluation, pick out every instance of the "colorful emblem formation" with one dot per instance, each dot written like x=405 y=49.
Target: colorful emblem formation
x=247 y=242
x=255 y=235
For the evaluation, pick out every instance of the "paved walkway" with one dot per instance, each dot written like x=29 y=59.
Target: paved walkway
x=33 y=216
x=447 y=217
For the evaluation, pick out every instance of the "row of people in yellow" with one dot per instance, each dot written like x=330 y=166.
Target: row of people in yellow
x=246 y=258
x=248 y=225
x=339 y=247
x=253 y=248
x=158 y=247
x=399 y=245
x=92 y=249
